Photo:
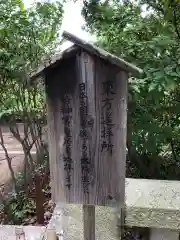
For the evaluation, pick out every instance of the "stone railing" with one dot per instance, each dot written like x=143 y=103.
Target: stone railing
x=149 y=203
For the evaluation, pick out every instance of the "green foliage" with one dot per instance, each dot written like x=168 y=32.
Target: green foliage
x=26 y=36
x=19 y=207
x=152 y=42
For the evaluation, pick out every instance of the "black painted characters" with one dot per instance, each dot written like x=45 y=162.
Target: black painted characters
x=106 y=117
x=85 y=163
x=67 y=117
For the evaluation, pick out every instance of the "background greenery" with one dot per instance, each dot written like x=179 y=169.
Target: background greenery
x=150 y=40
x=26 y=37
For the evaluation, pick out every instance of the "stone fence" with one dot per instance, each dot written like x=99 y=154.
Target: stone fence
x=149 y=203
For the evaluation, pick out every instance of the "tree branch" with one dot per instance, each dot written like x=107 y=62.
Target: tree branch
x=175 y=22
x=173 y=150
x=9 y=160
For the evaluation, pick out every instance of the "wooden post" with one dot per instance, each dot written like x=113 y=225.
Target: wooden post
x=86 y=90
x=95 y=173
x=89 y=222
x=85 y=67
x=39 y=198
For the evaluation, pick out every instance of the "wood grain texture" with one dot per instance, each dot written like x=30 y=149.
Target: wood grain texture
x=53 y=61
x=94 y=50
x=59 y=82
x=106 y=170
x=89 y=222
x=110 y=168
x=55 y=139
x=85 y=67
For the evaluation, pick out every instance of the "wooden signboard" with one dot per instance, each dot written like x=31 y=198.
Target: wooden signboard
x=88 y=122
x=86 y=91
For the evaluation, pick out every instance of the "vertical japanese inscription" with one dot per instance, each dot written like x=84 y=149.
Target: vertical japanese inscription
x=67 y=117
x=106 y=117
x=85 y=163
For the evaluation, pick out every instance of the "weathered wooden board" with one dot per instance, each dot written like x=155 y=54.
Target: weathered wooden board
x=91 y=48
x=101 y=53
x=87 y=111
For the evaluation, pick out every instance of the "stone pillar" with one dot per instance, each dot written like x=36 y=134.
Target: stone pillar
x=163 y=234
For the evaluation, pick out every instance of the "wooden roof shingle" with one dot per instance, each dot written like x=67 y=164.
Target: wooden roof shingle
x=90 y=48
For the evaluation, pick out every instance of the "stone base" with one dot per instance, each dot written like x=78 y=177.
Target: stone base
x=7 y=232
x=164 y=234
